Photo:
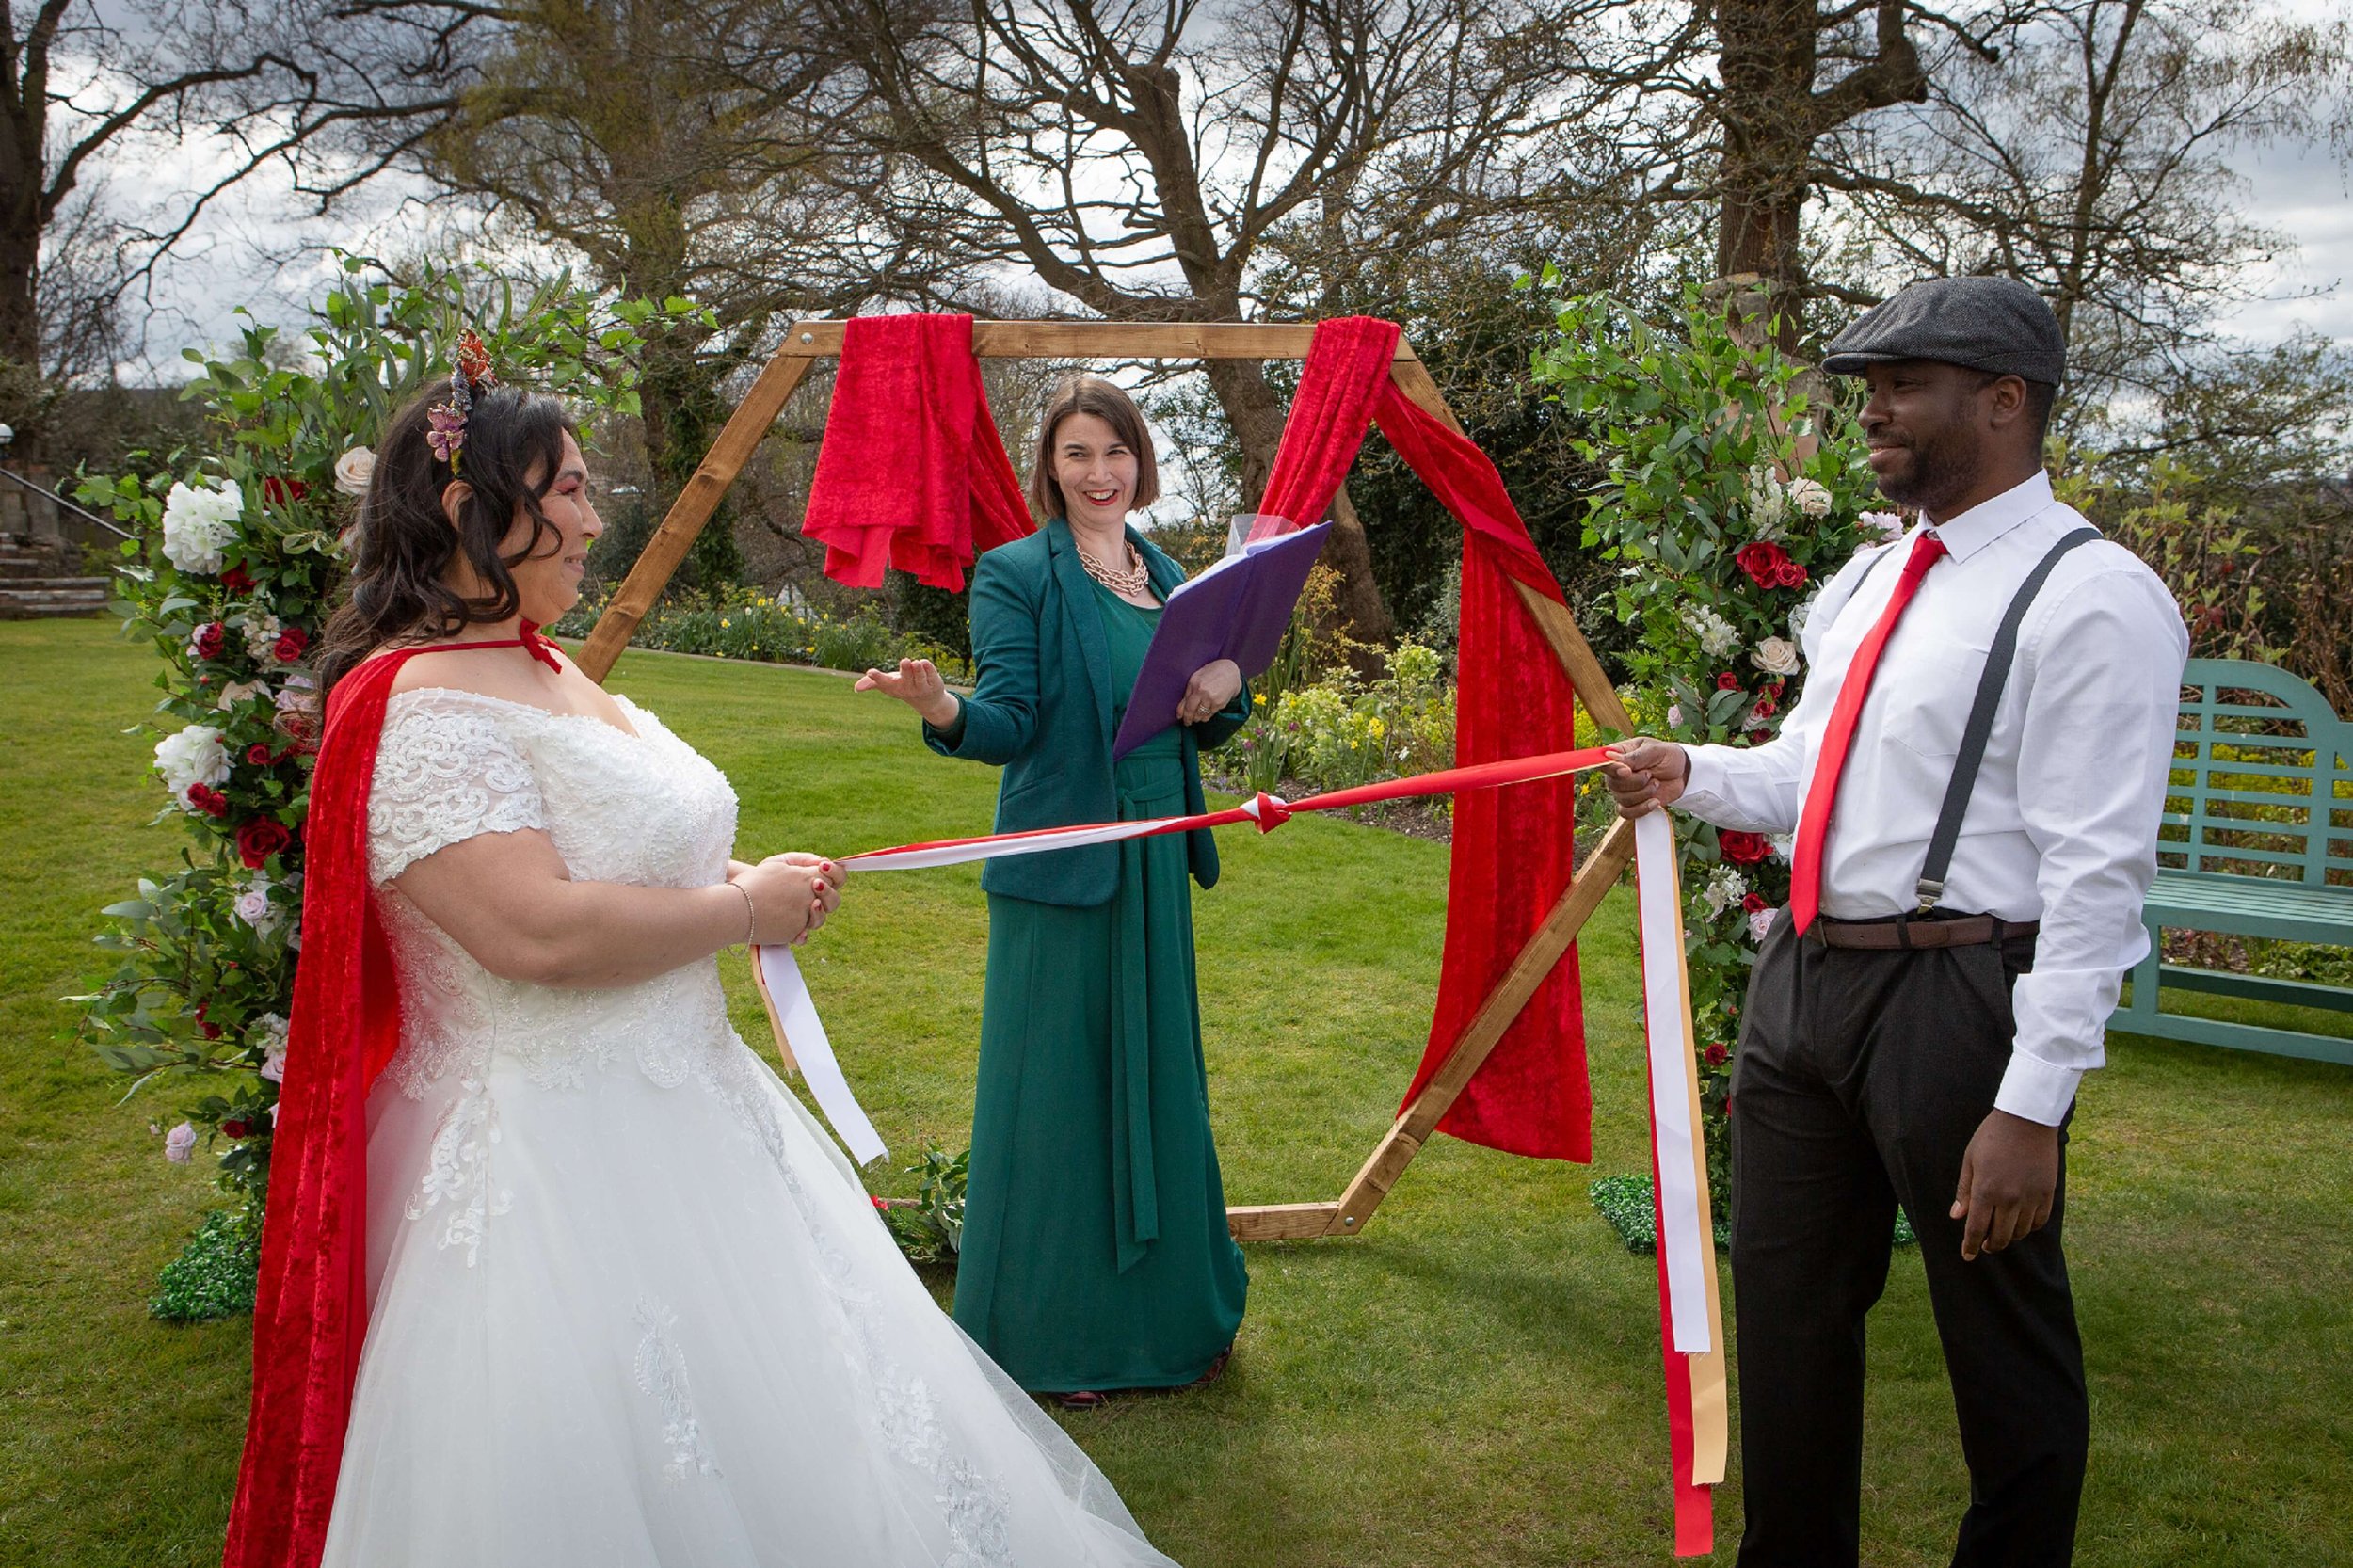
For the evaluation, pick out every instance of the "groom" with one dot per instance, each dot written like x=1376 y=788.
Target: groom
x=1974 y=775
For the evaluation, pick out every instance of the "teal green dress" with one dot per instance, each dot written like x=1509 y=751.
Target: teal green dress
x=1096 y=1253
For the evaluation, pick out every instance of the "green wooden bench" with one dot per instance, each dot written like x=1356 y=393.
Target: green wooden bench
x=2257 y=841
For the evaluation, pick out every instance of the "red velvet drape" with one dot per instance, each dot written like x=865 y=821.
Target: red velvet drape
x=912 y=473
x=1513 y=849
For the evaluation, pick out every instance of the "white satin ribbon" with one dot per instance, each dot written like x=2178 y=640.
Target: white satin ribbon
x=803 y=1035
x=1683 y=1237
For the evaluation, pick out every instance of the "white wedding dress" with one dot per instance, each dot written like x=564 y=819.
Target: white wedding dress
x=630 y=1306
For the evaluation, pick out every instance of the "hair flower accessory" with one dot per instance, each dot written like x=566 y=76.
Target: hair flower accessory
x=447 y=422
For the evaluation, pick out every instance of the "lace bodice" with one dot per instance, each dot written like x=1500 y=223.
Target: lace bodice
x=644 y=809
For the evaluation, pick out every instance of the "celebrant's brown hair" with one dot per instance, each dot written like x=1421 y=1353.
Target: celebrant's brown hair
x=404 y=543
x=1082 y=393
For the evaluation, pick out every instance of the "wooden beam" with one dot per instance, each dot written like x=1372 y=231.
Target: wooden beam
x=1577 y=656
x=1079 y=340
x=745 y=429
x=1280 y=1222
x=1413 y=379
x=1480 y=1038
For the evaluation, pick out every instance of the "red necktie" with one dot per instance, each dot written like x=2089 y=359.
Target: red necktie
x=1805 y=867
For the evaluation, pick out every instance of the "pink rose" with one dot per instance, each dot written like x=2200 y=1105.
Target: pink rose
x=180 y=1145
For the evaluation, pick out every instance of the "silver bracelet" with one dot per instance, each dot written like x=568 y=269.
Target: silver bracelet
x=751 y=913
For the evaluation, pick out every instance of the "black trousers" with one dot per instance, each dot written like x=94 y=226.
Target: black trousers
x=1861 y=1077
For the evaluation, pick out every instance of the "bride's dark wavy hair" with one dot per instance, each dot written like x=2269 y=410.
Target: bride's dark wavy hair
x=405 y=544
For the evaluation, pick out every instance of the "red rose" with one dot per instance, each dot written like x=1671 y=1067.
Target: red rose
x=260 y=839
x=208 y=640
x=1727 y=681
x=1791 y=575
x=1717 y=1056
x=236 y=1129
x=1765 y=708
x=258 y=755
x=290 y=642
x=236 y=582
x=281 y=491
x=1753 y=902
x=1765 y=563
x=208 y=800
x=1743 y=849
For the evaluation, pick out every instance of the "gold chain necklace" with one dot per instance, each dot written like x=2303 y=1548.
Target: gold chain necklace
x=1127 y=585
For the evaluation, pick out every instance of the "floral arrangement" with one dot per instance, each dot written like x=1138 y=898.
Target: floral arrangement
x=1735 y=480
x=239 y=552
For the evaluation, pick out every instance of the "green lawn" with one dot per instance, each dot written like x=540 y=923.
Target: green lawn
x=1474 y=1382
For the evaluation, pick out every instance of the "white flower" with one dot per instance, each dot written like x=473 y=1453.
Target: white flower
x=1810 y=496
x=180 y=1145
x=353 y=471
x=261 y=633
x=253 y=905
x=295 y=694
x=1801 y=613
x=1775 y=656
x=1716 y=635
x=1885 y=525
x=194 y=755
x=238 y=691
x=268 y=1034
x=1760 y=921
x=1769 y=504
x=1724 y=888
x=1674 y=715
x=198 y=520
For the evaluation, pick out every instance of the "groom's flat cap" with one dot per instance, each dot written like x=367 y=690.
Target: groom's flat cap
x=1997 y=325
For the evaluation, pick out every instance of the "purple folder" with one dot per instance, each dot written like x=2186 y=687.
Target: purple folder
x=1238 y=609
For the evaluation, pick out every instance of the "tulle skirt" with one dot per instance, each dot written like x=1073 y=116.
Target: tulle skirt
x=644 y=1315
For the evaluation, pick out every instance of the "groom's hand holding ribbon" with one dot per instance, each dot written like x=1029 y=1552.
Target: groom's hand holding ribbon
x=1644 y=775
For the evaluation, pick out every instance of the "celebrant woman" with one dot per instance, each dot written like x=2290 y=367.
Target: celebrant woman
x=554 y=1270
x=1096 y=1255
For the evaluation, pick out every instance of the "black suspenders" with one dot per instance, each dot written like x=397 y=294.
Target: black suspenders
x=1980 y=727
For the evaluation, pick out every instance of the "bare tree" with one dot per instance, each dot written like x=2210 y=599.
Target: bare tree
x=87 y=84
x=1137 y=158
x=2089 y=160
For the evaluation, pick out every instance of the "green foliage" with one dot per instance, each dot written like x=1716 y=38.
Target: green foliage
x=744 y=623
x=1734 y=483
x=214 y=1276
x=929 y=1228
x=1339 y=732
x=237 y=561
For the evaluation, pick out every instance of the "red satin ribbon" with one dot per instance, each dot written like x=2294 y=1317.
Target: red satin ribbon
x=1272 y=811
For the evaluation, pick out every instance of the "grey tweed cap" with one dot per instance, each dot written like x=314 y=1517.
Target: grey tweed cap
x=1989 y=324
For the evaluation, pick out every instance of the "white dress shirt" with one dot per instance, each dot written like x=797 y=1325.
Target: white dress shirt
x=2062 y=827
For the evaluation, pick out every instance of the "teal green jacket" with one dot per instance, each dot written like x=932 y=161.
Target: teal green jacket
x=1042 y=711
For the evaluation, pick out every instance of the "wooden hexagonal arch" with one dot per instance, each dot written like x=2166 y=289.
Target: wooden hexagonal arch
x=808 y=341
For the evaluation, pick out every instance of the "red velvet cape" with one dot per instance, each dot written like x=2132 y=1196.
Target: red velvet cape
x=310 y=1311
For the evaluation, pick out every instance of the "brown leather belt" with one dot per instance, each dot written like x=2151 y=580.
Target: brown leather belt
x=1891 y=935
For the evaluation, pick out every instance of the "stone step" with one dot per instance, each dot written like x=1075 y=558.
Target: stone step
x=98 y=585
x=12 y=608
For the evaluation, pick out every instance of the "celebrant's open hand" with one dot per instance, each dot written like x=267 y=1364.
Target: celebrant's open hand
x=792 y=894
x=917 y=682
x=2007 y=1179
x=1212 y=687
x=1644 y=775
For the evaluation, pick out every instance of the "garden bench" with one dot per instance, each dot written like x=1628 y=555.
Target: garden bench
x=2257 y=841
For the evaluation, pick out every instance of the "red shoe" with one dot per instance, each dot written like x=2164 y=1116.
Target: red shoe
x=1217 y=1369
x=1081 y=1398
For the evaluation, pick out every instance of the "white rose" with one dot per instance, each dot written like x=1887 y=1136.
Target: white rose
x=1801 y=612
x=1885 y=525
x=253 y=907
x=198 y=520
x=180 y=1144
x=238 y=691
x=1760 y=921
x=194 y=755
x=1674 y=715
x=1810 y=496
x=298 y=693
x=268 y=1034
x=353 y=471
x=1776 y=656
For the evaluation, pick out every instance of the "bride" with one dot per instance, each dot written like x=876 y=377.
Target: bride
x=554 y=1270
